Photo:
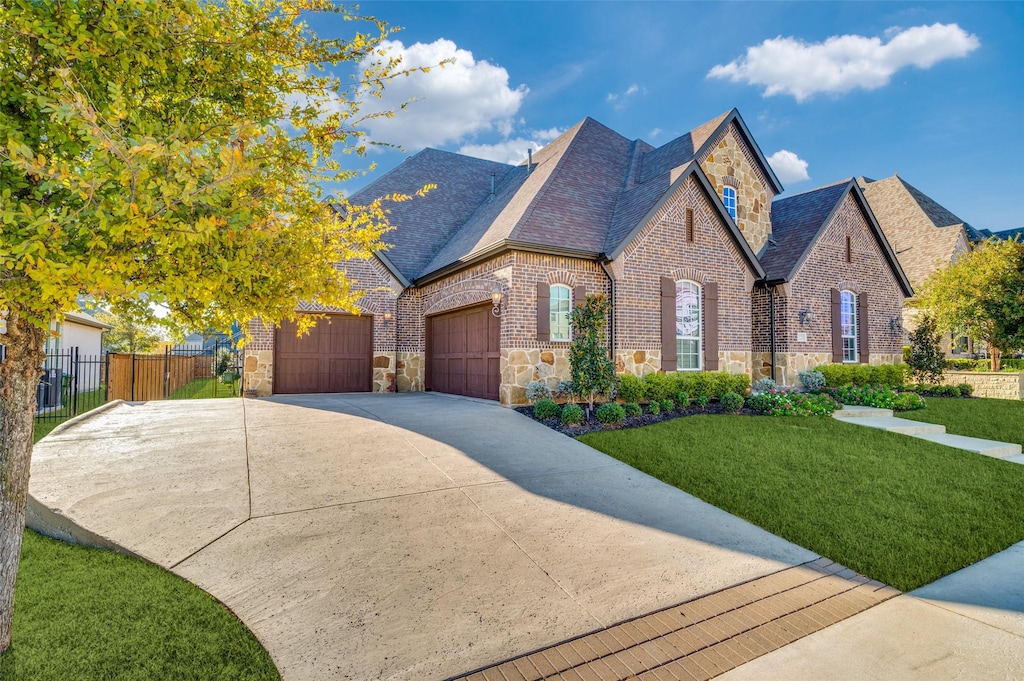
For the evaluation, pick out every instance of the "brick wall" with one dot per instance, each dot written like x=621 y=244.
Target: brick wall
x=826 y=268
x=661 y=250
x=730 y=160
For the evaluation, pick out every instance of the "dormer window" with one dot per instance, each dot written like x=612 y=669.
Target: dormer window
x=729 y=199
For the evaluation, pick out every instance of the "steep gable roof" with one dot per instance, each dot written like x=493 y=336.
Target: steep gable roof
x=798 y=221
x=695 y=143
x=935 y=212
x=463 y=183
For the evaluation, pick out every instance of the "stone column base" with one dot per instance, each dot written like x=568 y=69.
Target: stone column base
x=410 y=372
x=258 y=373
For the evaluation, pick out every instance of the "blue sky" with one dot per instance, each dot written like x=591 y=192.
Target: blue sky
x=933 y=91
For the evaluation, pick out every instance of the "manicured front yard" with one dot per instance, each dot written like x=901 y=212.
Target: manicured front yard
x=897 y=509
x=989 y=419
x=85 y=614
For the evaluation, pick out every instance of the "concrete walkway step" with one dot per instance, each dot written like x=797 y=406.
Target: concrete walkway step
x=896 y=425
x=850 y=411
x=999 y=450
x=708 y=636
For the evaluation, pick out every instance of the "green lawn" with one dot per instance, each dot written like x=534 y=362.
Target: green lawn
x=86 y=614
x=989 y=419
x=897 y=509
x=205 y=387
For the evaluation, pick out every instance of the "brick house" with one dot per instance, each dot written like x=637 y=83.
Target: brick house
x=473 y=295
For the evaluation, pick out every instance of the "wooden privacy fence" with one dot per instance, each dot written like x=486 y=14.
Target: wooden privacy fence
x=137 y=378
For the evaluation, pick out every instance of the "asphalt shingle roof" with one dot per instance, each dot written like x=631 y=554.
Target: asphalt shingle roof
x=796 y=221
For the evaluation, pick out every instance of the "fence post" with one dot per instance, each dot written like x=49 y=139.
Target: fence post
x=167 y=371
x=106 y=377
x=133 y=377
x=74 y=384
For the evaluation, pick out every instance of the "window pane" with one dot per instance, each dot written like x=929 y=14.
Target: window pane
x=560 y=305
x=687 y=325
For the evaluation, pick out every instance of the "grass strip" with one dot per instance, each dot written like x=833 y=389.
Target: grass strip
x=897 y=509
x=85 y=614
x=987 y=418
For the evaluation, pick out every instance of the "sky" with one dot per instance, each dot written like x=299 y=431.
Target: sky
x=932 y=91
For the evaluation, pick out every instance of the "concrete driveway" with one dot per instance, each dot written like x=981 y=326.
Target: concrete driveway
x=410 y=536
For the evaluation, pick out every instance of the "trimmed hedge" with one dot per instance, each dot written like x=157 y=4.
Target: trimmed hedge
x=631 y=388
x=837 y=375
x=610 y=413
x=546 y=409
x=662 y=386
x=1011 y=365
x=572 y=414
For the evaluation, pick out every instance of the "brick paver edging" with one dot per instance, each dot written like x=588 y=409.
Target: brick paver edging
x=707 y=636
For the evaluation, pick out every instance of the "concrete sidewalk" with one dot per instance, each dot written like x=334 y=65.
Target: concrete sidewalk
x=410 y=536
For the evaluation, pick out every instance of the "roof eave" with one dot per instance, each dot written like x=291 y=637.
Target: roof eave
x=499 y=248
x=894 y=262
x=393 y=269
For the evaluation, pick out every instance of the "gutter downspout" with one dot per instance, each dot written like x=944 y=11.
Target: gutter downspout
x=771 y=325
x=611 y=290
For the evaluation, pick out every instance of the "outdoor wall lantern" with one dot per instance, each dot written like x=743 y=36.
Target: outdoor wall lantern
x=806 y=317
x=496 y=303
x=896 y=325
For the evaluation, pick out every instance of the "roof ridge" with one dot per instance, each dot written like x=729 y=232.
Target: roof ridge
x=848 y=180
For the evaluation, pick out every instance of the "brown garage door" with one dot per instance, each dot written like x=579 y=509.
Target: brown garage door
x=463 y=353
x=335 y=357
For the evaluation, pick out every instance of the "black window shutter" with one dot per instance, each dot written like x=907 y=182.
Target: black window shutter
x=837 y=326
x=543 y=311
x=711 y=326
x=863 y=330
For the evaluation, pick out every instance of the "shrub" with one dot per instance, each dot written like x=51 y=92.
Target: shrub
x=732 y=402
x=763 y=385
x=861 y=374
x=538 y=390
x=546 y=409
x=631 y=388
x=908 y=402
x=789 y=402
x=592 y=370
x=609 y=412
x=879 y=396
x=888 y=374
x=572 y=414
x=740 y=384
x=702 y=400
x=760 y=401
x=966 y=389
x=632 y=409
x=654 y=408
x=659 y=386
x=566 y=390
x=684 y=399
x=812 y=380
x=698 y=385
x=667 y=405
x=925 y=358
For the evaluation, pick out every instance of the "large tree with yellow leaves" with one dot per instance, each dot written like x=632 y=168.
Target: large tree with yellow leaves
x=169 y=150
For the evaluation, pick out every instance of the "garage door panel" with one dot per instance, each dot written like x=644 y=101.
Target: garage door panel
x=336 y=356
x=464 y=349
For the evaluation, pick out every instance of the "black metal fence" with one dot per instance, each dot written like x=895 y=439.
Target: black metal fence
x=71 y=383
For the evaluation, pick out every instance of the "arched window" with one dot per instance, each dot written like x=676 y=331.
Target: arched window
x=729 y=199
x=560 y=304
x=688 y=351
x=848 y=324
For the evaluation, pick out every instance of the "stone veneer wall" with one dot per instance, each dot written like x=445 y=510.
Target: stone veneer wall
x=826 y=268
x=661 y=249
x=379 y=289
x=520 y=367
x=1000 y=384
x=409 y=374
x=730 y=161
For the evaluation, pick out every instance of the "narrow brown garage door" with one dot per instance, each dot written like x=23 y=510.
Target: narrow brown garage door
x=464 y=353
x=335 y=357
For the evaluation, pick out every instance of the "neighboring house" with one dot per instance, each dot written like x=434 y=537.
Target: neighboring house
x=473 y=296
x=78 y=330
x=924 y=235
x=1017 y=234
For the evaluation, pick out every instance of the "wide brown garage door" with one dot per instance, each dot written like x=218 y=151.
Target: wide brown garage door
x=464 y=353
x=335 y=357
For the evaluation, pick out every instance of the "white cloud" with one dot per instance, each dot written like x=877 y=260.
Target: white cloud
x=654 y=133
x=454 y=102
x=843 y=63
x=788 y=166
x=633 y=89
x=512 y=150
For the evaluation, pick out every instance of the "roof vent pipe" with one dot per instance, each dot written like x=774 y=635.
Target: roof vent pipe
x=529 y=165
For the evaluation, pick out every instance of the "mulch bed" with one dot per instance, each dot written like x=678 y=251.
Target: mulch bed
x=591 y=424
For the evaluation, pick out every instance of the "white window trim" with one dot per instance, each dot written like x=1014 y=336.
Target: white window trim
x=853 y=326
x=552 y=301
x=700 y=328
x=735 y=200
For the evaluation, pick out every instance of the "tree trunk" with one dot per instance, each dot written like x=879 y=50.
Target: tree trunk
x=995 y=360
x=19 y=378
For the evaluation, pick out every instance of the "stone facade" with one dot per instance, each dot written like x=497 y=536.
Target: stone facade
x=520 y=367
x=999 y=384
x=410 y=371
x=731 y=162
x=661 y=249
x=801 y=346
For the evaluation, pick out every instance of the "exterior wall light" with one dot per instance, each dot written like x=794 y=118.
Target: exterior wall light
x=806 y=317
x=896 y=325
x=496 y=303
